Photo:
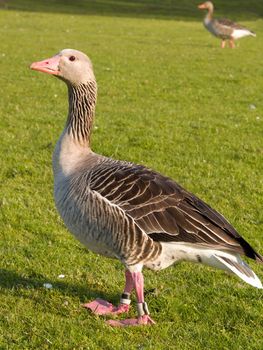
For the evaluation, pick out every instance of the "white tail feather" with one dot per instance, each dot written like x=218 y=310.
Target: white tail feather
x=224 y=260
x=240 y=33
x=241 y=269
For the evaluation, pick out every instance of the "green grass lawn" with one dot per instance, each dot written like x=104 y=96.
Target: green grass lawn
x=169 y=98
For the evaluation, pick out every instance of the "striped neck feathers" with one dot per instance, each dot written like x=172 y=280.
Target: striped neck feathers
x=82 y=102
x=209 y=14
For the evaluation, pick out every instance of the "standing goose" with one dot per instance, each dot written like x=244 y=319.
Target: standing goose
x=126 y=211
x=223 y=28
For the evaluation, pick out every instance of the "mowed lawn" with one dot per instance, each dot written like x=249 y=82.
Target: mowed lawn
x=168 y=98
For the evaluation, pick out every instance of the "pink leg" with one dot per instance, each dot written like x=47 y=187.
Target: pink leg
x=143 y=313
x=223 y=43
x=129 y=285
x=232 y=43
x=103 y=307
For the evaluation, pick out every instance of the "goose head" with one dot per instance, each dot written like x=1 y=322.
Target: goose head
x=72 y=66
x=208 y=5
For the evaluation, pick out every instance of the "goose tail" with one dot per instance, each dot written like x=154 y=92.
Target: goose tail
x=239 y=268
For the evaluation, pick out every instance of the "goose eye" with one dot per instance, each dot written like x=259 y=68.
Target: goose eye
x=72 y=58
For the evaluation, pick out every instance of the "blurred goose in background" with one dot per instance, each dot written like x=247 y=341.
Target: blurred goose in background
x=126 y=211
x=223 y=28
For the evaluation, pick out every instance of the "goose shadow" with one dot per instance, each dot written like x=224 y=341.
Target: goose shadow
x=20 y=285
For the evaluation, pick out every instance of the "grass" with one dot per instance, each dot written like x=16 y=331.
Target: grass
x=169 y=98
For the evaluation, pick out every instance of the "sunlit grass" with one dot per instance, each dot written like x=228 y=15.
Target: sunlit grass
x=169 y=98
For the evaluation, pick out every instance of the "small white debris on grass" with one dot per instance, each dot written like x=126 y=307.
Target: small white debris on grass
x=252 y=107
x=47 y=285
x=257 y=117
x=61 y=276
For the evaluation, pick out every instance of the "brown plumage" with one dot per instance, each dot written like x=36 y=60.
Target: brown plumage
x=224 y=28
x=164 y=210
x=126 y=211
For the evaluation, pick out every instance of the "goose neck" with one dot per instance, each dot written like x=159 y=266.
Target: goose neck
x=82 y=102
x=209 y=14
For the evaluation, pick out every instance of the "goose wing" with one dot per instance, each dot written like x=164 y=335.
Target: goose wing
x=224 y=27
x=163 y=209
x=229 y=24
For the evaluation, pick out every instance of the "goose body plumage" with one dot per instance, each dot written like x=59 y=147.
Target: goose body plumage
x=129 y=212
x=224 y=28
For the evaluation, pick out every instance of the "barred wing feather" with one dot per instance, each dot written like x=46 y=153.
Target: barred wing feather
x=228 y=23
x=163 y=209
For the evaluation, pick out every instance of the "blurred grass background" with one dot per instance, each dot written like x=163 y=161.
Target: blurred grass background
x=167 y=9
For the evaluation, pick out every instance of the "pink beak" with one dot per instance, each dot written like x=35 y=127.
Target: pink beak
x=50 y=65
x=202 y=6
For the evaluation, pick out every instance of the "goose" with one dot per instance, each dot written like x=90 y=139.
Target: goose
x=223 y=28
x=126 y=211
